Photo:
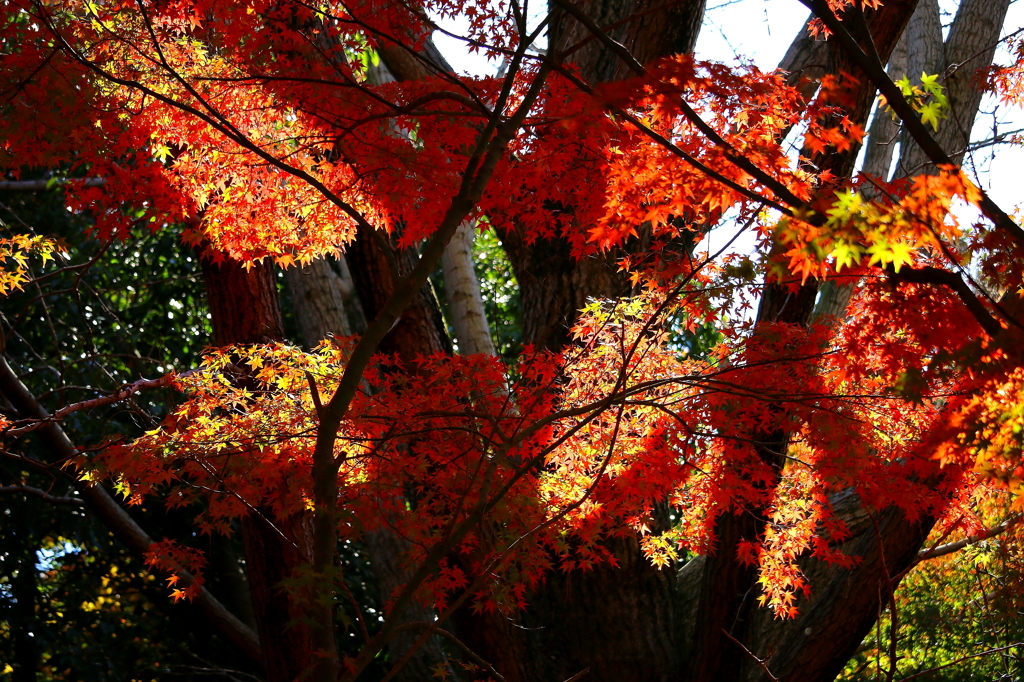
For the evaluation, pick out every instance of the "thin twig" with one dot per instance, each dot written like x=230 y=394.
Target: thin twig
x=762 y=662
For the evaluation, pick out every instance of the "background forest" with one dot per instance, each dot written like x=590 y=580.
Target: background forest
x=674 y=509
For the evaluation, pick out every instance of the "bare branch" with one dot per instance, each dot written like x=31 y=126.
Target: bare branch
x=45 y=496
x=48 y=183
x=761 y=662
x=116 y=519
x=120 y=395
x=457 y=642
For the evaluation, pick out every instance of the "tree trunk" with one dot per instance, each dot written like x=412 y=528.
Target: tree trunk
x=725 y=601
x=319 y=302
x=375 y=264
x=618 y=622
x=666 y=627
x=318 y=295
x=461 y=288
x=969 y=48
x=883 y=136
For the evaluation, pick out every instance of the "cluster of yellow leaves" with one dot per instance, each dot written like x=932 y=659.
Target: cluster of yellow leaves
x=14 y=256
x=882 y=233
x=927 y=99
x=244 y=436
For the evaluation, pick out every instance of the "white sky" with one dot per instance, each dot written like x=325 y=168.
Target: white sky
x=761 y=30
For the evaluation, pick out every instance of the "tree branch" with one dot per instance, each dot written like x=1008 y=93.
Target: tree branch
x=47 y=497
x=457 y=642
x=48 y=183
x=931 y=275
x=951 y=547
x=117 y=520
x=120 y=395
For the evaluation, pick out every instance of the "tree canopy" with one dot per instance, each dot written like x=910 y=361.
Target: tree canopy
x=618 y=363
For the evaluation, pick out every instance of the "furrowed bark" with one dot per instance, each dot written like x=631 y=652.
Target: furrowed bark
x=885 y=25
x=844 y=603
x=837 y=616
x=118 y=521
x=554 y=286
x=806 y=61
x=572 y=617
x=972 y=41
x=883 y=135
x=318 y=300
x=420 y=329
x=968 y=49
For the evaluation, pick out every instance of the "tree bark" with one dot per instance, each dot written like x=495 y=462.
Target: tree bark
x=375 y=263
x=572 y=617
x=319 y=302
x=725 y=601
x=243 y=303
x=844 y=603
x=554 y=285
x=885 y=25
x=969 y=48
x=465 y=304
x=826 y=631
x=883 y=136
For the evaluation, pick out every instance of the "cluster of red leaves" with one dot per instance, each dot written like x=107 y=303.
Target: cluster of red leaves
x=178 y=560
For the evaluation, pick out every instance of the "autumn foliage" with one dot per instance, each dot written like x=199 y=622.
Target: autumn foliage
x=266 y=129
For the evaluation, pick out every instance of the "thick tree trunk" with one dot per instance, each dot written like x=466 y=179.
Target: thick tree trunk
x=375 y=264
x=554 y=286
x=838 y=615
x=844 y=603
x=243 y=303
x=885 y=25
x=274 y=548
x=715 y=593
x=618 y=622
x=883 y=136
x=725 y=602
